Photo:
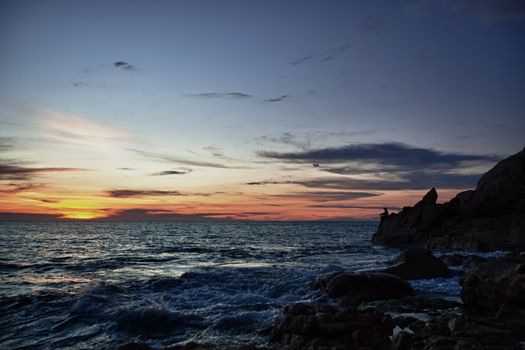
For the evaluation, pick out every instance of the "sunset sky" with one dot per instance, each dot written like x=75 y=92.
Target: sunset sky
x=263 y=110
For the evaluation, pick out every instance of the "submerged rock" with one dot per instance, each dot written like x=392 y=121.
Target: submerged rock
x=320 y=326
x=351 y=289
x=491 y=217
x=418 y=263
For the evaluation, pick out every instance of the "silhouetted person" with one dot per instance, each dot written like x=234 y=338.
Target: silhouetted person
x=384 y=214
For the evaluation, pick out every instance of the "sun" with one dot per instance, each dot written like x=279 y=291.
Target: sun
x=85 y=215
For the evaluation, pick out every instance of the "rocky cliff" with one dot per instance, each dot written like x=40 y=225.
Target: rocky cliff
x=490 y=217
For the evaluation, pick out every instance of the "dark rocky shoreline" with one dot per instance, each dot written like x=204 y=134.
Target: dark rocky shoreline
x=380 y=309
x=488 y=218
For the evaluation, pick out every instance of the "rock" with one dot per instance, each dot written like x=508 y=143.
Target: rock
x=196 y=346
x=424 y=304
x=491 y=217
x=452 y=331
x=134 y=346
x=418 y=263
x=351 y=289
x=320 y=326
x=495 y=284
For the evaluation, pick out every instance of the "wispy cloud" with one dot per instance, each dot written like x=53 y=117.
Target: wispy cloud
x=386 y=166
x=393 y=154
x=24 y=173
x=327 y=196
x=13 y=188
x=215 y=151
x=126 y=193
x=6 y=143
x=286 y=138
x=181 y=171
x=320 y=56
x=278 y=99
x=179 y=160
x=226 y=95
x=123 y=65
x=79 y=131
x=6 y=216
x=145 y=214
x=79 y=84
x=349 y=206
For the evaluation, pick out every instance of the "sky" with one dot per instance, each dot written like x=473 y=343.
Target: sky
x=252 y=110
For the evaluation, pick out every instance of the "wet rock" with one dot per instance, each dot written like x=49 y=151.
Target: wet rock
x=491 y=217
x=197 y=346
x=320 y=326
x=418 y=263
x=134 y=346
x=351 y=289
x=452 y=331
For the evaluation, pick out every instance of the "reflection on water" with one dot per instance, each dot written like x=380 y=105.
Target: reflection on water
x=92 y=285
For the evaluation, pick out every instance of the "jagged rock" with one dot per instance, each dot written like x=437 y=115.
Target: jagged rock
x=417 y=263
x=496 y=285
x=320 y=326
x=452 y=331
x=491 y=217
x=351 y=289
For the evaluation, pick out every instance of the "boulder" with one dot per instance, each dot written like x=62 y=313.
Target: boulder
x=490 y=217
x=320 y=326
x=494 y=286
x=418 y=263
x=351 y=289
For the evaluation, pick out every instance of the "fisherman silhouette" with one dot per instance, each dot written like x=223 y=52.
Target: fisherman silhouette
x=384 y=214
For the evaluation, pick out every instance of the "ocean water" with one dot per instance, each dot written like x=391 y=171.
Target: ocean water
x=93 y=285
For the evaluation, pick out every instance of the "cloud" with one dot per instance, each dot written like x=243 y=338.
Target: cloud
x=226 y=95
x=79 y=131
x=277 y=99
x=328 y=196
x=215 y=151
x=410 y=181
x=182 y=171
x=123 y=65
x=126 y=193
x=350 y=206
x=23 y=173
x=13 y=188
x=321 y=56
x=301 y=60
x=387 y=154
x=177 y=160
x=386 y=166
x=47 y=200
x=286 y=138
x=6 y=143
x=79 y=84
x=7 y=216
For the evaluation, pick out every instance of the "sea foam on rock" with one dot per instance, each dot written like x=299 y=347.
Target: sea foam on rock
x=490 y=217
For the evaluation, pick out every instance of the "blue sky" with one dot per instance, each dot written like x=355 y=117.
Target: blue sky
x=155 y=86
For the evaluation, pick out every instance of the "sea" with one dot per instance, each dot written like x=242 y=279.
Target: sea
x=94 y=285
